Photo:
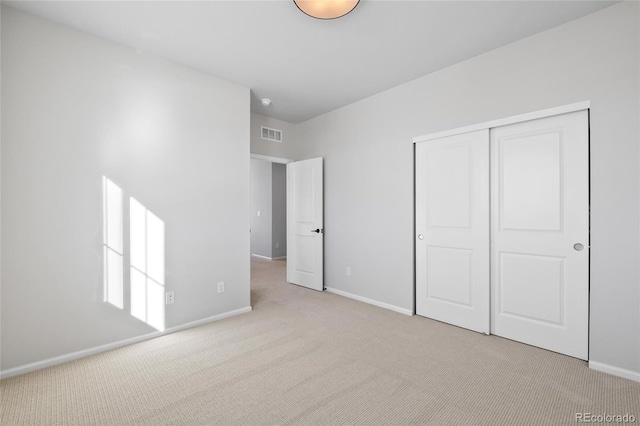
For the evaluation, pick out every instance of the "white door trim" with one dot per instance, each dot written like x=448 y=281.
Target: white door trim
x=271 y=159
x=578 y=106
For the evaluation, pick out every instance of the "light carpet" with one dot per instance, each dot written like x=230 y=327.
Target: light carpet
x=305 y=358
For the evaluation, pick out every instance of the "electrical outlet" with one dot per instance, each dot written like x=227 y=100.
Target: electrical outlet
x=277 y=245
x=221 y=287
x=258 y=213
x=348 y=271
x=169 y=297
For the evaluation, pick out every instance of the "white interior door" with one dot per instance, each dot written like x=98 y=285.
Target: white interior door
x=452 y=227
x=305 y=226
x=540 y=233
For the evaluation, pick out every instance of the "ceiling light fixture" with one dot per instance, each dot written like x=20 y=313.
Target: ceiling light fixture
x=326 y=9
x=265 y=102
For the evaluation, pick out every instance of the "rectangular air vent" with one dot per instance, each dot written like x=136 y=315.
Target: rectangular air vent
x=271 y=134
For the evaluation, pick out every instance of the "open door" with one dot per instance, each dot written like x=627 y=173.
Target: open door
x=305 y=224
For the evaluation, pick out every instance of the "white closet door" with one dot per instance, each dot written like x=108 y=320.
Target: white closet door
x=452 y=227
x=540 y=233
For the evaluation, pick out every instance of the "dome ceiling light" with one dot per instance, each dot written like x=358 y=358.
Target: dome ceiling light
x=326 y=9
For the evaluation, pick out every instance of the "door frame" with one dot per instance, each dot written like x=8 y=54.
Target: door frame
x=278 y=160
x=578 y=106
x=549 y=112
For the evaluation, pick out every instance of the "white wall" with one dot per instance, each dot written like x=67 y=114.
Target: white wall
x=76 y=108
x=0 y=190
x=285 y=149
x=279 y=210
x=261 y=201
x=368 y=154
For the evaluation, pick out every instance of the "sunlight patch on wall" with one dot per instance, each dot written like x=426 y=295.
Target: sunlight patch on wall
x=147 y=265
x=112 y=243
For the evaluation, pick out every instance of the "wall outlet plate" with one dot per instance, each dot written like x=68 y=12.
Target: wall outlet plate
x=221 y=287
x=169 y=297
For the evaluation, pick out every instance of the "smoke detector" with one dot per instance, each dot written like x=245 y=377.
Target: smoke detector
x=265 y=102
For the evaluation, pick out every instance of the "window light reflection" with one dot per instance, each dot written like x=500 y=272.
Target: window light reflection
x=147 y=265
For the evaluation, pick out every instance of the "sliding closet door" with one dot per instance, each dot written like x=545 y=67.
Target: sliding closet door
x=540 y=233
x=452 y=230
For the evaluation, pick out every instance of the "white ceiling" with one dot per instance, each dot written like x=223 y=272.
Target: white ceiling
x=307 y=66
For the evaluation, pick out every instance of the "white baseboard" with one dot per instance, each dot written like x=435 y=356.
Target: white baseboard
x=260 y=256
x=616 y=371
x=369 y=301
x=110 y=346
x=268 y=258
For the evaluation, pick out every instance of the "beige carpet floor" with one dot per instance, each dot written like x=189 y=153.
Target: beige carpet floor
x=304 y=358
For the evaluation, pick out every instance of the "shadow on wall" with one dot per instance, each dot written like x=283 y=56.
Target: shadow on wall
x=146 y=257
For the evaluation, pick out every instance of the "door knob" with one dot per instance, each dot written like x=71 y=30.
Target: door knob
x=420 y=236
x=578 y=247
x=318 y=231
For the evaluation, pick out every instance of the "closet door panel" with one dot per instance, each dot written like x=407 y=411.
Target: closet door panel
x=452 y=224
x=540 y=233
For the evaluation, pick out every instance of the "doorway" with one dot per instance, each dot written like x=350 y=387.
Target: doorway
x=268 y=209
x=267 y=219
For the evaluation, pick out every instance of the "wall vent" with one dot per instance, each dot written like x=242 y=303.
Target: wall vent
x=271 y=134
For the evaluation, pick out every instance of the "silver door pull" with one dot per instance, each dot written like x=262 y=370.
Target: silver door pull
x=578 y=247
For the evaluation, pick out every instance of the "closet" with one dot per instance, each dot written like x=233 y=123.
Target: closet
x=502 y=230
